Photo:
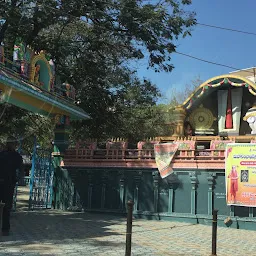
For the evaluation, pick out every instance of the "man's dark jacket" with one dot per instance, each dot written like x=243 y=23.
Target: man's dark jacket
x=10 y=162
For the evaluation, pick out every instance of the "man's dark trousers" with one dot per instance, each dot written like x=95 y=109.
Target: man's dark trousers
x=6 y=196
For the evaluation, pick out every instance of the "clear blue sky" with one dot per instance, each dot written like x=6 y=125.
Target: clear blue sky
x=225 y=47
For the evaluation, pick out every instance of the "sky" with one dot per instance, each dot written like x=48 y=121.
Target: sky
x=225 y=47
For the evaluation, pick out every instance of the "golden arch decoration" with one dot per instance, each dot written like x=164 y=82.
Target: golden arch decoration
x=34 y=60
x=225 y=78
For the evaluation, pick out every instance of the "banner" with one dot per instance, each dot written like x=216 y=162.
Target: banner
x=240 y=173
x=164 y=154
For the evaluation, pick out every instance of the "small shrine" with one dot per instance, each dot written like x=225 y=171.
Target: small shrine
x=223 y=106
x=29 y=81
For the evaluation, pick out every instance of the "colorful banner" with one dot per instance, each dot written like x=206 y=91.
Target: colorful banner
x=240 y=172
x=164 y=154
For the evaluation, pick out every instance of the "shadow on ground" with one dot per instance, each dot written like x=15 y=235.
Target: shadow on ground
x=53 y=232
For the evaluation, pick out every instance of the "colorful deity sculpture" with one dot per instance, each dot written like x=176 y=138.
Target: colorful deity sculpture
x=37 y=75
x=19 y=50
x=68 y=90
x=250 y=117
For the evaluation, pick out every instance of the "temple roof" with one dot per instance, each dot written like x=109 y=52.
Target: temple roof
x=219 y=81
x=249 y=73
x=26 y=95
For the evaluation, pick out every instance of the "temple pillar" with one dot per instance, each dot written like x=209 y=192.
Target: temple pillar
x=121 y=189
x=170 y=196
x=61 y=133
x=156 y=189
x=90 y=187
x=251 y=212
x=137 y=180
x=104 y=180
x=180 y=115
x=232 y=210
x=211 y=180
x=193 y=180
x=61 y=175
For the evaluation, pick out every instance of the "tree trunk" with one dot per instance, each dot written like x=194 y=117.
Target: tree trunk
x=3 y=30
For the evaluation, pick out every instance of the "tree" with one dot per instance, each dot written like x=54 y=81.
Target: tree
x=92 y=43
x=179 y=96
x=24 y=126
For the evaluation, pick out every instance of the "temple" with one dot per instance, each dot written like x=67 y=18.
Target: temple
x=220 y=111
x=102 y=179
x=216 y=107
x=29 y=82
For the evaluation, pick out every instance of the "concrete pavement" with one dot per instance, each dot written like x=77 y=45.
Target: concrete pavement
x=65 y=233
x=51 y=232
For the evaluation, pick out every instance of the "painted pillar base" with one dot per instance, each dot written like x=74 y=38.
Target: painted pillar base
x=180 y=115
x=61 y=177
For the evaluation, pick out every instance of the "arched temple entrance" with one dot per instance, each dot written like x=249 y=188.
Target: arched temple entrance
x=40 y=71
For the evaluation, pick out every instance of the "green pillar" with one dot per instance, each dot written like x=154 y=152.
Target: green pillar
x=104 y=179
x=173 y=182
x=121 y=189
x=210 y=179
x=62 y=130
x=170 y=199
x=193 y=180
x=232 y=210
x=251 y=212
x=90 y=186
x=156 y=189
x=61 y=143
x=137 y=179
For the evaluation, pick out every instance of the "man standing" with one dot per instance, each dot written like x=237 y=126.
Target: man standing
x=10 y=163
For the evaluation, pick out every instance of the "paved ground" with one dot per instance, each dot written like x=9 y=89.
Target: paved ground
x=65 y=233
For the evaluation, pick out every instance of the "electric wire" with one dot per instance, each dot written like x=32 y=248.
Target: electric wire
x=177 y=52
x=228 y=29
x=211 y=62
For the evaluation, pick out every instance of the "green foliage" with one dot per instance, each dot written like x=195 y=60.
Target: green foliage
x=92 y=44
x=24 y=126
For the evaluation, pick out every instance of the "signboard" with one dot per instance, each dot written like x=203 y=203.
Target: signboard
x=164 y=154
x=240 y=172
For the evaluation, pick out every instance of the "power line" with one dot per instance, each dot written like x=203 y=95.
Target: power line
x=228 y=29
x=193 y=57
x=211 y=62
x=183 y=54
x=198 y=23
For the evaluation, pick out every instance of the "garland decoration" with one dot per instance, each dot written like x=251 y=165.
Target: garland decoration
x=224 y=81
x=251 y=91
x=201 y=93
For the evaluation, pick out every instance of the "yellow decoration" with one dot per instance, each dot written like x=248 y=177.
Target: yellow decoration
x=201 y=118
x=252 y=91
x=35 y=59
